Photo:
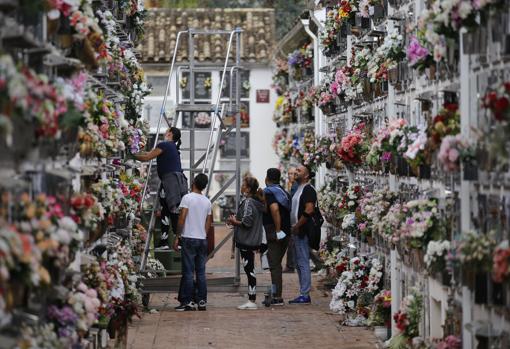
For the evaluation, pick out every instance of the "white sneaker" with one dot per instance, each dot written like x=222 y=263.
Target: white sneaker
x=248 y=306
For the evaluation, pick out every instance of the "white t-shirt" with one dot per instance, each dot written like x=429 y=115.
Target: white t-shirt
x=199 y=207
x=295 y=204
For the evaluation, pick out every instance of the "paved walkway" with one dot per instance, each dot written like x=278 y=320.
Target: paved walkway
x=223 y=326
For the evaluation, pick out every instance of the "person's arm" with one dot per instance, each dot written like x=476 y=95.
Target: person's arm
x=247 y=218
x=180 y=227
x=275 y=213
x=309 y=209
x=146 y=156
x=208 y=223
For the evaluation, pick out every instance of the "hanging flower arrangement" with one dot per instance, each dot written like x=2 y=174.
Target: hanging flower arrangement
x=284 y=109
x=385 y=145
x=354 y=146
x=101 y=135
x=280 y=76
x=422 y=223
x=475 y=251
x=501 y=262
x=435 y=258
x=445 y=123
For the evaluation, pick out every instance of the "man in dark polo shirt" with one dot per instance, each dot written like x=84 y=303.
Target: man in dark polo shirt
x=277 y=227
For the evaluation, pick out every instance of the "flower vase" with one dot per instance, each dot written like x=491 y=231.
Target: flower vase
x=431 y=72
x=370 y=241
x=468 y=278
x=470 y=172
x=377 y=11
x=381 y=332
x=52 y=26
x=15 y=296
x=424 y=172
x=445 y=278
x=84 y=51
x=481 y=288
x=338 y=165
x=393 y=75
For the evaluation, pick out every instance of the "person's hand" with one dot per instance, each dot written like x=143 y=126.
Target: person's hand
x=231 y=220
x=280 y=235
x=294 y=229
x=176 y=244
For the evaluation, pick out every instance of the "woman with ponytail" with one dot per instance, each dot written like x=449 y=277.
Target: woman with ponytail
x=174 y=184
x=248 y=233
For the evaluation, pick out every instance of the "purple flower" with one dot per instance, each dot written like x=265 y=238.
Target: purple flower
x=410 y=221
x=416 y=52
x=386 y=156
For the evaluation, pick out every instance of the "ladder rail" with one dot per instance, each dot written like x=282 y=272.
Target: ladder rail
x=218 y=98
x=150 y=228
x=161 y=115
x=215 y=152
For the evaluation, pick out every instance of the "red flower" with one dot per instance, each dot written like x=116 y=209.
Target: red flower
x=500 y=108
x=451 y=107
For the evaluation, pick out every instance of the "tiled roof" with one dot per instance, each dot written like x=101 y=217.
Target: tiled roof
x=162 y=26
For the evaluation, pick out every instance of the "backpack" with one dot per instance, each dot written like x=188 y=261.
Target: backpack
x=312 y=228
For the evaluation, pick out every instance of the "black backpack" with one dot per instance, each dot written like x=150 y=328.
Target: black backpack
x=312 y=228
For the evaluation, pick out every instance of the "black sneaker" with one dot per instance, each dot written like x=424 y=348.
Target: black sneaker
x=277 y=302
x=186 y=307
x=202 y=306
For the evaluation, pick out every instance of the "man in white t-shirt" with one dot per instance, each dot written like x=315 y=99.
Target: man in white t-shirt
x=195 y=220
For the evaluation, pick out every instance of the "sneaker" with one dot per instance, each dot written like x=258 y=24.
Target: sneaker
x=248 y=306
x=202 y=306
x=277 y=301
x=288 y=270
x=186 y=307
x=162 y=247
x=301 y=300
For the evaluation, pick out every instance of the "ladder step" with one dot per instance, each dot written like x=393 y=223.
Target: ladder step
x=195 y=108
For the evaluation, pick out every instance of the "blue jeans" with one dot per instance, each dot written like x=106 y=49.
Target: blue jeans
x=302 y=260
x=194 y=257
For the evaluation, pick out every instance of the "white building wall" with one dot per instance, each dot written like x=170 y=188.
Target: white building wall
x=262 y=127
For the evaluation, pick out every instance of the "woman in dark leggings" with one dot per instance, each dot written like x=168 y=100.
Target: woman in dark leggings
x=174 y=184
x=248 y=233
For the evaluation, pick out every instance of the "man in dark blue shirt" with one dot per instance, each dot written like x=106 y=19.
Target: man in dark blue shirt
x=277 y=227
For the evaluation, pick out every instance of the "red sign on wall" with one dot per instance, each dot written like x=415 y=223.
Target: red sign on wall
x=262 y=96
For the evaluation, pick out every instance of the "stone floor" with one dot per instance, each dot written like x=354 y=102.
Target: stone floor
x=223 y=326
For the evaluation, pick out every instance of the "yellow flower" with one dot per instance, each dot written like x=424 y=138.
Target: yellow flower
x=44 y=275
x=440 y=127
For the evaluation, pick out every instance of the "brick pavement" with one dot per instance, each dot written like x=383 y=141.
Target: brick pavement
x=223 y=326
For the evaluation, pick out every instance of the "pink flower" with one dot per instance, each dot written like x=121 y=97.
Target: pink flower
x=453 y=155
x=416 y=52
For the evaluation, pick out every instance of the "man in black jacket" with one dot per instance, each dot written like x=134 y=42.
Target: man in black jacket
x=277 y=227
x=303 y=207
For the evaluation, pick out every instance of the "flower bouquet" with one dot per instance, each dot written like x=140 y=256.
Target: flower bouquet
x=203 y=120
x=390 y=223
x=445 y=123
x=361 y=277
x=435 y=258
x=501 y=262
x=422 y=223
x=354 y=146
x=281 y=76
x=381 y=310
x=475 y=251
x=87 y=211
x=407 y=320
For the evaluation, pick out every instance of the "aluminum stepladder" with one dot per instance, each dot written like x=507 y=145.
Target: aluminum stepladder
x=218 y=131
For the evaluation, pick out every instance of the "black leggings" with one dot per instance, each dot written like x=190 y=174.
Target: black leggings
x=167 y=218
x=248 y=261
